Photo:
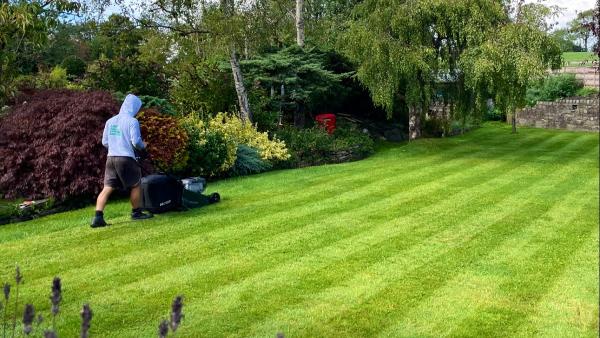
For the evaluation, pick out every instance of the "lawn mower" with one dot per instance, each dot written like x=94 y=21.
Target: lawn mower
x=163 y=192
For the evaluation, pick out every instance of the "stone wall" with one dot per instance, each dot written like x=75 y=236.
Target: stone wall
x=590 y=76
x=570 y=114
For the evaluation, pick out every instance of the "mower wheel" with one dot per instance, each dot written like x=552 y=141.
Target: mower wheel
x=214 y=197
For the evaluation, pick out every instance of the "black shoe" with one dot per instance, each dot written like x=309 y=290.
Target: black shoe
x=98 y=222
x=138 y=215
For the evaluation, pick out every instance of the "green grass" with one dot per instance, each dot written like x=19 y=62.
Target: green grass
x=574 y=58
x=487 y=234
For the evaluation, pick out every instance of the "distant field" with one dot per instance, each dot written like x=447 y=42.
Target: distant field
x=578 y=57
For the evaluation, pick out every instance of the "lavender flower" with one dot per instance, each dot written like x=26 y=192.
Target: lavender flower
x=86 y=319
x=176 y=314
x=280 y=335
x=18 y=279
x=18 y=276
x=28 y=317
x=6 y=292
x=56 y=295
x=163 y=328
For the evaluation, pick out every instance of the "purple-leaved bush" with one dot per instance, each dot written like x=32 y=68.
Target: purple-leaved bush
x=50 y=144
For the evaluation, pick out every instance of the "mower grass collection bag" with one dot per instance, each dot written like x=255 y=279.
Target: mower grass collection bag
x=162 y=193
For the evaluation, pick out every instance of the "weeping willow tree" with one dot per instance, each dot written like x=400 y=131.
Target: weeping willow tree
x=403 y=49
x=512 y=58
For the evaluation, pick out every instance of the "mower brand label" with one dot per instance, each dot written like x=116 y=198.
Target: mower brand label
x=114 y=130
x=165 y=203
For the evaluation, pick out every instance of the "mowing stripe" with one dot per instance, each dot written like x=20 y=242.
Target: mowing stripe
x=570 y=308
x=474 y=288
x=457 y=150
x=267 y=278
x=274 y=256
x=374 y=280
x=106 y=248
x=434 y=159
x=529 y=282
x=133 y=288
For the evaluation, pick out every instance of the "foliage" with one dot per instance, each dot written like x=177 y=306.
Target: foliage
x=74 y=66
x=349 y=139
x=116 y=38
x=65 y=40
x=309 y=146
x=402 y=48
x=163 y=105
x=301 y=71
x=50 y=144
x=514 y=56
x=166 y=139
x=594 y=27
x=24 y=25
x=202 y=87
x=56 y=78
x=434 y=127
x=553 y=88
x=248 y=161
x=244 y=133
x=580 y=26
x=565 y=40
x=587 y=91
x=313 y=146
x=494 y=114
x=127 y=74
x=211 y=153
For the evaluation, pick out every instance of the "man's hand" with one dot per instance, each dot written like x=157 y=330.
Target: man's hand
x=142 y=154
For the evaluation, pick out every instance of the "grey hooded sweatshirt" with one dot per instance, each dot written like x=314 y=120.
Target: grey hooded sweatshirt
x=122 y=132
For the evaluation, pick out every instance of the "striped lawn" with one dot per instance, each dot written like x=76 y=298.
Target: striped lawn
x=488 y=234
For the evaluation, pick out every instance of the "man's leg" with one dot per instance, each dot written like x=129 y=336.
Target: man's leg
x=136 y=203
x=98 y=220
x=103 y=198
x=136 y=196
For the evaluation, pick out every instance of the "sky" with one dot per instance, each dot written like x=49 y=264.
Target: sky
x=571 y=7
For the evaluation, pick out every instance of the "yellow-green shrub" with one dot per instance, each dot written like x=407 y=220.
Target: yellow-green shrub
x=245 y=133
x=211 y=153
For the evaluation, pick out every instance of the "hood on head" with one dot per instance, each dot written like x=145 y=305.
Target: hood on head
x=131 y=106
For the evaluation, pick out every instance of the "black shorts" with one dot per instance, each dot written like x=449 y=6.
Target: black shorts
x=122 y=172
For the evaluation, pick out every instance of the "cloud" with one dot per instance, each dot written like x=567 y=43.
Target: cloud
x=571 y=8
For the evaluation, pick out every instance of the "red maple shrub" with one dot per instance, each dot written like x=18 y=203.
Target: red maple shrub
x=50 y=144
x=166 y=140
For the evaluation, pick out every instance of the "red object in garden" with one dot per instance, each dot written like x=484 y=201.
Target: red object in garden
x=327 y=121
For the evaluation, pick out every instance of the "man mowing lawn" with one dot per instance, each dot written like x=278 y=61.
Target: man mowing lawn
x=122 y=137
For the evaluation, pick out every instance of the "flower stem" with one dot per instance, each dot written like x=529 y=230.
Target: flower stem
x=14 y=326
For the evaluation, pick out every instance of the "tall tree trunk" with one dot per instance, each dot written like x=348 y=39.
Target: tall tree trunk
x=414 y=122
x=240 y=89
x=228 y=9
x=513 y=120
x=300 y=23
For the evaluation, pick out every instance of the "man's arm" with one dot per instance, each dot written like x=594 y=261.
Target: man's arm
x=105 y=135
x=136 y=135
